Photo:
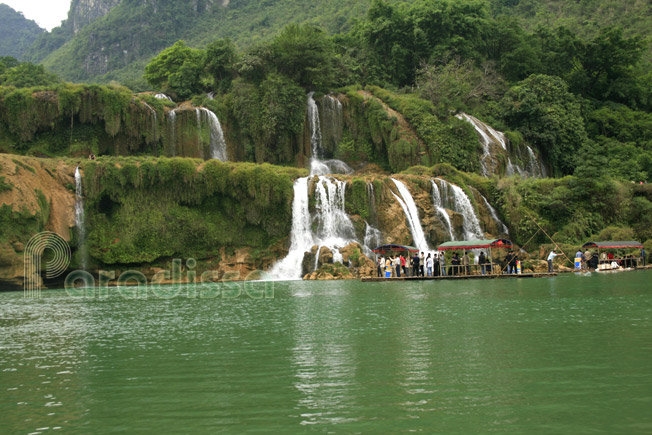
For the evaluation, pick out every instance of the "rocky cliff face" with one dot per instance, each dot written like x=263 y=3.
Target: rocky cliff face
x=84 y=12
x=36 y=195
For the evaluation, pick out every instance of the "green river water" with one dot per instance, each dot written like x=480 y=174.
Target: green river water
x=564 y=355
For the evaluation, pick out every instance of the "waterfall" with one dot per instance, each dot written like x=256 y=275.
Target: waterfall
x=315 y=126
x=485 y=160
x=163 y=97
x=172 y=119
x=317 y=165
x=217 y=143
x=456 y=199
x=301 y=236
x=441 y=211
x=332 y=121
x=412 y=214
x=333 y=227
x=532 y=166
x=372 y=239
x=79 y=219
x=494 y=216
x=153 y=112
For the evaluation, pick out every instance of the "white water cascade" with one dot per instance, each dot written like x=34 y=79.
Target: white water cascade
x=494 y=216
x=491 y=139
x=333 y=227
x=301 y=239
x=317 y=165
x=454 y=198
x=217 y=142
x=172 y=134
x=441 y=211
x=412 y=214
x=373 y=238
x=163 y=97
x=79 y=220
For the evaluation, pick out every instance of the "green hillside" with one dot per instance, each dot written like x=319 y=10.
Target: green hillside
x=17 y=33
x=117 y=46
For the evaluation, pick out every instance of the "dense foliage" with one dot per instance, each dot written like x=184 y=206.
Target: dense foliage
x=140 y=210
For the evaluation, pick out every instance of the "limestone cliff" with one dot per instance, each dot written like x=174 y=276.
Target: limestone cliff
x=84 y=12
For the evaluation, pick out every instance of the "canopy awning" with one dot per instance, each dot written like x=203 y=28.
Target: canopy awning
x=613 y=245
x=395 y=248
x=476 y=244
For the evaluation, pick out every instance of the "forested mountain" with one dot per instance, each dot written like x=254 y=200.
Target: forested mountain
x=17 y=33
x=116 y=44
x=105 y=40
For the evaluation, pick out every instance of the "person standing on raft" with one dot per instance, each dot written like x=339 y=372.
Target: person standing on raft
x=551 y=257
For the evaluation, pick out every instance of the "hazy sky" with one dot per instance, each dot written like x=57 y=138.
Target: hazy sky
x=46 y=13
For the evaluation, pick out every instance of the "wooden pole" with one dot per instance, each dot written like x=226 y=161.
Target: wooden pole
x=551 y=239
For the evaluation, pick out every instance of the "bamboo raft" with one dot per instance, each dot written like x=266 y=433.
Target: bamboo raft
x=459 y=277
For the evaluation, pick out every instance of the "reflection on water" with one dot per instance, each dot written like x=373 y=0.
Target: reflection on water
x=559 y=355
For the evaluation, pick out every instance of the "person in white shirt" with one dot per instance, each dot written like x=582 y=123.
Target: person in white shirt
x=551 y=257
x=429 y=264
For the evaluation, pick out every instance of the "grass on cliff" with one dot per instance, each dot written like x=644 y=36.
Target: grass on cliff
x=140 y=210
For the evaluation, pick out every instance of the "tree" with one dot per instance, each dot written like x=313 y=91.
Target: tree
x=305 y=55
x=606 y=68
x=458 y=83
x=26 y=75
x=178 y=71
x=220 y=61
x=548 y=115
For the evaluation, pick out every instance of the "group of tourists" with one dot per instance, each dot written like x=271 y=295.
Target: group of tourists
x=588 y=260
x=431 y=264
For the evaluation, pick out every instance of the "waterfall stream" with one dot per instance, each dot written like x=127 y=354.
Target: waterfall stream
x=301 y=239
x=494 y=216
x=441 y=211
x=454 y=198
x=333 y=227
x=318 y=166
x=217 y=142
x=412 y=214
x=490 y=139
x=79 y=220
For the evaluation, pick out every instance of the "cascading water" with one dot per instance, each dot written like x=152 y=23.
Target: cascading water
x=412 y=214
x=372 y=239
x=79 y=219
x=163 y=97
x=332 y=121
x=315 y=126
x=301 y=238
x=317 y=165
x=217 y=142
x=494 y=216
x=532 y=166
x=172 y=134
x=441 y=211
x=154 y=117
x=333 y=227
x=454 y=198
x=485 y=141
